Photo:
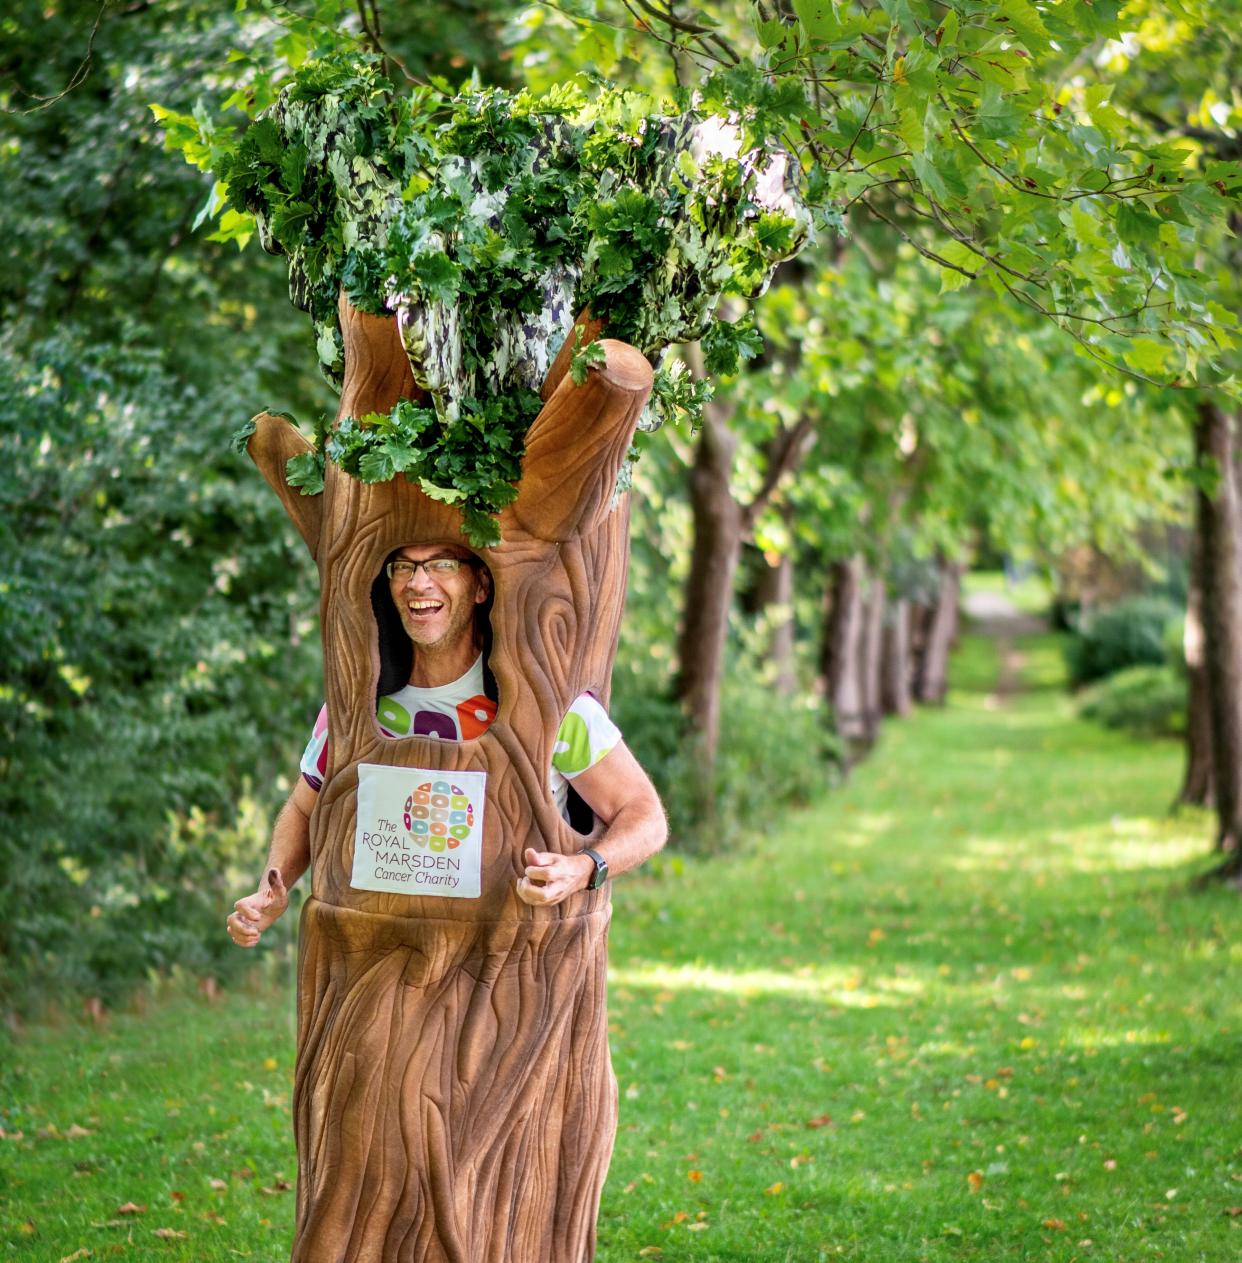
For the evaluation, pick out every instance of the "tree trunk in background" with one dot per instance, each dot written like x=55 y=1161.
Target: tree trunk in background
x=871 y=652
x=1221 y=517
x=934 y=667
x=1196 y=788
x=895 y=660
x=774 y=595
x=709 y=587
x=843 y=619
x=920 y=624
x=720 y=525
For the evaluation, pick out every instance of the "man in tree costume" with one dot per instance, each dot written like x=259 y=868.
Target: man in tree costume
x=454 y=1098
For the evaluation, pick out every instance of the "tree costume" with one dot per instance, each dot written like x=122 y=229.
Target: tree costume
x=454 y=1099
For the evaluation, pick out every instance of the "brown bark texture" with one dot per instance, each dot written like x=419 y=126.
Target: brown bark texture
x=454 y=1100
x=933 y=678
x=871 y=647
x=1221 y=540
x=895 y=668
x=1196 y=788
x=721 y=522
x=704 y=635
x=843 y=627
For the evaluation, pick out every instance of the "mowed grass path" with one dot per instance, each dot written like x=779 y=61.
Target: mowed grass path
x=966 y=1007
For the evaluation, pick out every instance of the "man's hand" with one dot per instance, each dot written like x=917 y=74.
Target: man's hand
x=551 y=877
x=258 y=912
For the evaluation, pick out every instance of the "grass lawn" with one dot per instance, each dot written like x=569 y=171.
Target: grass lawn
x=965 y=1008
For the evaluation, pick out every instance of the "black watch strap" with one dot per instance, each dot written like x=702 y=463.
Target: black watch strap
x=600 y=876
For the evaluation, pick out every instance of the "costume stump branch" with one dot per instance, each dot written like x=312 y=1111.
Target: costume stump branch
x=454 y=1097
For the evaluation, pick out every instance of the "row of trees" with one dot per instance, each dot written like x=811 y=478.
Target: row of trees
x=1024 y=262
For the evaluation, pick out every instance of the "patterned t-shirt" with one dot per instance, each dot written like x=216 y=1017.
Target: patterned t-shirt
x=461 y=711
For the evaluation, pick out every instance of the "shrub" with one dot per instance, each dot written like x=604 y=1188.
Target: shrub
x=158 y=647
x=1148 y=701
x=1130 y=634
x=769 y=756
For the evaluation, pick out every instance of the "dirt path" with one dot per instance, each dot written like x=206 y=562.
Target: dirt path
x=994 y=614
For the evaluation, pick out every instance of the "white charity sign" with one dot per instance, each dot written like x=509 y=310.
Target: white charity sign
x=419 y=831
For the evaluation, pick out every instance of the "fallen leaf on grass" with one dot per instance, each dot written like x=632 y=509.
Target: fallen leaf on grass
x=694 y=1176
x=177 y=1195
x=74 y=1131
x=679 y=1218
x=131 y=1208
x=1057 y=1225
x=696 y=1227
x=27 y=1229
x=755 y=1136
x=170 y=1234
x=83 y=1253
x=218 y=1185
x=277 y=1186
x=975 y=1180
x=822 y=1120
x=650 y=1252
x=776 y=1188
x=1232 y=1211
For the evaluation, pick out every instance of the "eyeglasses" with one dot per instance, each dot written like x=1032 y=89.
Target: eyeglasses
x=403 y=570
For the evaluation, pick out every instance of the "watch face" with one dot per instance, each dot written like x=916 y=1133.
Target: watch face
x=600 y=876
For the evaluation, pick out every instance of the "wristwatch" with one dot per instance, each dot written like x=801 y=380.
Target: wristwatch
x=600 y=876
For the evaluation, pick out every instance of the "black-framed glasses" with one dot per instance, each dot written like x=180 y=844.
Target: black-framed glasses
x=403 y=570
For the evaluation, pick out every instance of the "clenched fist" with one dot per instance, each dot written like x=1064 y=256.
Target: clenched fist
x=550 y=877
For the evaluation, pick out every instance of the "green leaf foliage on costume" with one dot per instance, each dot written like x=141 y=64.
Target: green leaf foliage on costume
x=488 y=222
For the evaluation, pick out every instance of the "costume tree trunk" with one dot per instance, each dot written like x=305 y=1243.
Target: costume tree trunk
x=454 y=1101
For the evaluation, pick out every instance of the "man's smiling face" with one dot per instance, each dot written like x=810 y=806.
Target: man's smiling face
x=438 y=609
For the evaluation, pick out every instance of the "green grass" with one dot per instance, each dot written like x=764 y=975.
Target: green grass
x=966 y=1007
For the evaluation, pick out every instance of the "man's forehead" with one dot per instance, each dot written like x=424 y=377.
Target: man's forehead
x=442 y=548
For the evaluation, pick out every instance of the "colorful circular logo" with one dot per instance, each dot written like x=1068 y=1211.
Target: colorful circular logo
x=439 y=816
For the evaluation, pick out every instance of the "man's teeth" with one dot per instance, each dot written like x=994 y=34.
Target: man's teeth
x=425 y=605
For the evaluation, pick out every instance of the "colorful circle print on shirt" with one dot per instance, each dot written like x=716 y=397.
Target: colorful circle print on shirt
x=438 y=815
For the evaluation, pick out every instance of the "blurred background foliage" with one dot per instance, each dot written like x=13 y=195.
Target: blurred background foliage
x=159 y=615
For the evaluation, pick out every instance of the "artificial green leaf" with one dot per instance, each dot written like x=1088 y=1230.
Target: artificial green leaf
x=306 y=472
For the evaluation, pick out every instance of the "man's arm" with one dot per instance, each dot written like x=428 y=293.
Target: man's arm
x=621 y=794
x=288 y=858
